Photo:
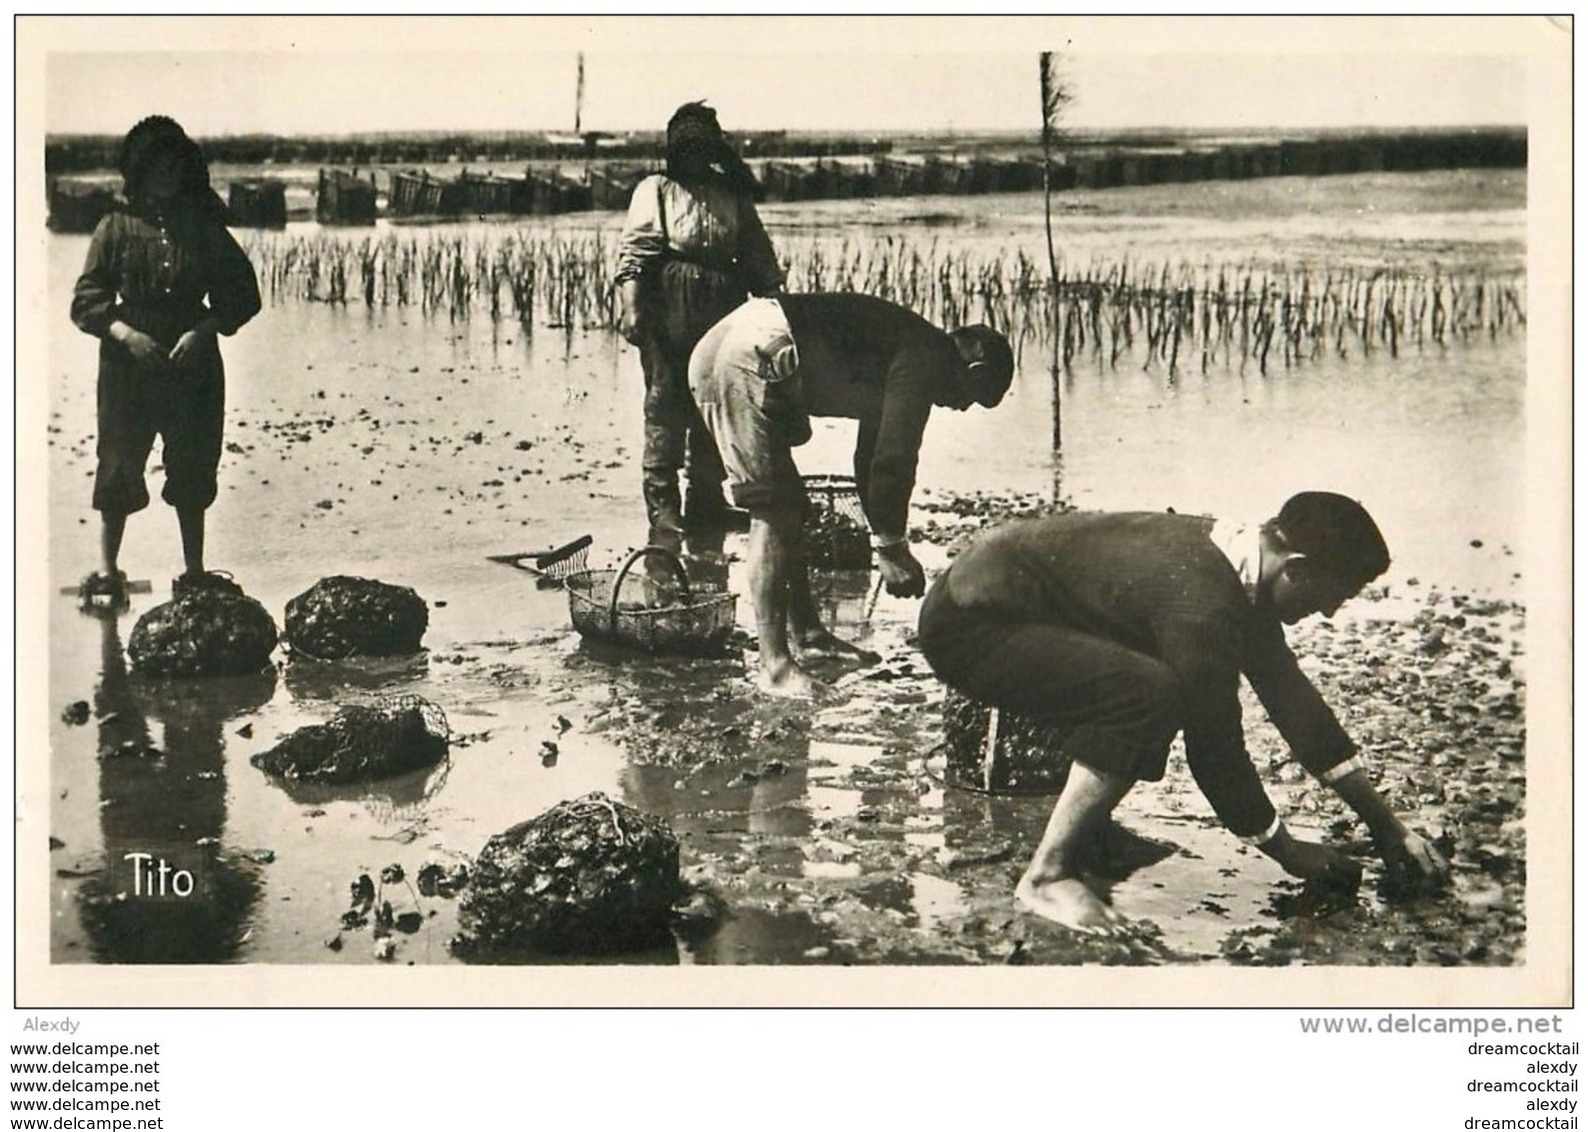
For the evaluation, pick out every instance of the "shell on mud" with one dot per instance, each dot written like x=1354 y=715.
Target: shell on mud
x=588 y=876
x=361 y=743
x=343 y=616
x=998 y=751
x=207 y=633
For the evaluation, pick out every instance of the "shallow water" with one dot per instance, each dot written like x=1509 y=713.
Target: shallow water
x=408 y=448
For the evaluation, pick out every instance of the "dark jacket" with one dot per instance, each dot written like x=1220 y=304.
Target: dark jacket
x=885 y=366
x=1157 y=584
x=163 y=276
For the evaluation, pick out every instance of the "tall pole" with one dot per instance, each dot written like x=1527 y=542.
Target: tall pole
x=578 y=99
x=1055 y=94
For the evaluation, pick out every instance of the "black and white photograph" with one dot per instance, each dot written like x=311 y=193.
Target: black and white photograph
x=872 y=509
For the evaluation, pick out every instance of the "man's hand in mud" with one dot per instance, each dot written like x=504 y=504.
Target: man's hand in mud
x=1318 y=864
x=902 y=575
x=1412 y=864
x=1312 y=862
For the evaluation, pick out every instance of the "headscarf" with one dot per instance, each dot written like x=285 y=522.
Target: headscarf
x=158 y=135
x=693 y=131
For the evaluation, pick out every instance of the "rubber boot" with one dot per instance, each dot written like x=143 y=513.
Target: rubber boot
x=706 y=508
x=663 y=507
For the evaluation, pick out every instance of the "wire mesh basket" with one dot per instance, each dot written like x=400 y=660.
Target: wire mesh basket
x=393 y=735
x=836 y=534
x=654 y=610
x=993 y=750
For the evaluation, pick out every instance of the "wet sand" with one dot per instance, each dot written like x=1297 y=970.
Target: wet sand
x=818 y=833
x=392 y=445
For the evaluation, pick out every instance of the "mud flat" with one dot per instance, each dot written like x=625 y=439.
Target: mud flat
x=392 y=444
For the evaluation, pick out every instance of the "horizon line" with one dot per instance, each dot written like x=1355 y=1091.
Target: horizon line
x=943 y=132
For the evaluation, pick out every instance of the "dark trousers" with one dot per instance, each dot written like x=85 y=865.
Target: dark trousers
x=184 y=409
x=685 y=299
x=675 y=437
x=1118 y=709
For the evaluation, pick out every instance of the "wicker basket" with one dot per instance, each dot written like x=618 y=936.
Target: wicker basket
x=687 y=623
x=995 y=751
x=836 y=534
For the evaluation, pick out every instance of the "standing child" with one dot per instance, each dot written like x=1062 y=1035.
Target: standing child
x=162 y=280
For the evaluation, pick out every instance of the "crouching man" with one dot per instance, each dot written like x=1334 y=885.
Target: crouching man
x=1123 y=630
x=758 y=377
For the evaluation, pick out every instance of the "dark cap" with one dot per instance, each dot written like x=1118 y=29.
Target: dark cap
x=1335 y=532
x=985 y=345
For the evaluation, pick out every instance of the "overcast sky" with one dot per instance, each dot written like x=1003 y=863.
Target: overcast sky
x=239 y=75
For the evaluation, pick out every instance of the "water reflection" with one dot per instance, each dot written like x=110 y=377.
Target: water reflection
x=979 y=827
x=845 y=598
x=765 y=797
x=170 y=891
x=796 y=819
x=936 y=901
x=399 y=799
x=757 y=935
x=749 y=815
x=313 y=680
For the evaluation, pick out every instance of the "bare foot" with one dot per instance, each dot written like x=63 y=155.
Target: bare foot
x=787 y=681
x=1067 y=901
x=822 y=645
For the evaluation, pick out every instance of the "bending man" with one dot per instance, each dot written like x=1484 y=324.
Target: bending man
x=758 y=377
x=1124 y=630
